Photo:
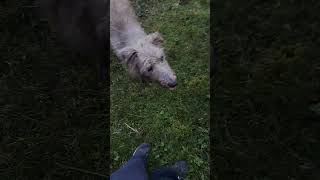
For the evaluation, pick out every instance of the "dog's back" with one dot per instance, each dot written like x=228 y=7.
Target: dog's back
x=122 y=15
x=124 y=25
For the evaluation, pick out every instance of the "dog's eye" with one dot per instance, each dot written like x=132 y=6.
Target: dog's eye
x=161 y=58
x=150 y=69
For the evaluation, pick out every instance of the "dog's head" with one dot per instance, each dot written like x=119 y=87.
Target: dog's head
x=147 y=60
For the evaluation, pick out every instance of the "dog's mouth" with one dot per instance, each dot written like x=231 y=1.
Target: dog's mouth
x=169 y=86
x=172 y=87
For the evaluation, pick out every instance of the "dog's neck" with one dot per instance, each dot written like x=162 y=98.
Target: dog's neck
x=134 y=35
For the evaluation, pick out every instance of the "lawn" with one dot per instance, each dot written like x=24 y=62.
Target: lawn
x=266 y=93
x=52 y=113
x=176 y=124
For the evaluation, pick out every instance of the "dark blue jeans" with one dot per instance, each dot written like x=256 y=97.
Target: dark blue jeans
x=136 y=169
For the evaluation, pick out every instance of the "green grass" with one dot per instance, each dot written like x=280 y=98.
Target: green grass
x=52 y=119
x=175 y=123
x=266 y=102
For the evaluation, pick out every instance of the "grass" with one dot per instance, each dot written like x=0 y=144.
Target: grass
x=52 y=113
x=266 y=102
x=175 y=123
x=266 y=95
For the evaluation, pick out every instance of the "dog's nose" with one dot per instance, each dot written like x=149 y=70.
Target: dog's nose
x=173 y=77
x=172 y=83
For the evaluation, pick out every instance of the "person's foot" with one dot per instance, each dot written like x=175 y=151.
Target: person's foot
x=177 y=171
x=181 y=167
x=142 y=151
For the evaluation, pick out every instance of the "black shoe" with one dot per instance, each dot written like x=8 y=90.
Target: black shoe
x=142 y=151
x=177 y=171
x=181 y=167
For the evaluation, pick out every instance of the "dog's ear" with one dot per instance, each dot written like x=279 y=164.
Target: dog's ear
x=127 y=54
x=156 y=39
x=128 y=57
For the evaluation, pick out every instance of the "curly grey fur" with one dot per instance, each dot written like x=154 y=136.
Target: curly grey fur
x=84 y=26
x=143 y=54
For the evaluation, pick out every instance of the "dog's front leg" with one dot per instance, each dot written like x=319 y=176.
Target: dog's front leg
x=142 y=86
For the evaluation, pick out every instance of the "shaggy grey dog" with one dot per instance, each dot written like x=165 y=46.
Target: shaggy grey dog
x=143 y=54
x=84 y=26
